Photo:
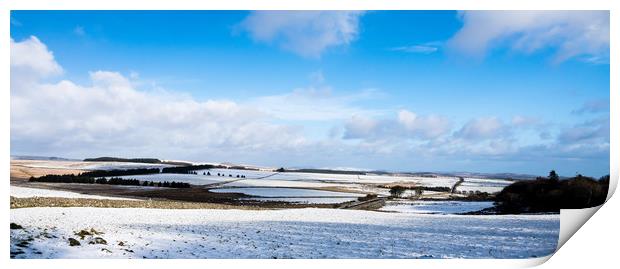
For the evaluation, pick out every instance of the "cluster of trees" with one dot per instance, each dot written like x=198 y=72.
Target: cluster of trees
x=397 y=191
x=229 y=175
x=475 y=195
x=70 y=178
x=550 y=194
x=166 y=184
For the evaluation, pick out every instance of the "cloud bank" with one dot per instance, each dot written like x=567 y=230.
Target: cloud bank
x=112 y=115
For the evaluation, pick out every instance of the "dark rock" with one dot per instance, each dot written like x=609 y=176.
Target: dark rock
x=73 y=242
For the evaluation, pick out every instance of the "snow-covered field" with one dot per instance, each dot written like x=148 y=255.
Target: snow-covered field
x=290 y=233
x=434 y=207
x=483 y=185
x=287 y=192
x=306 y=196
x=271 y=184
x=22 y=192
x=234 y=172
x=252 y=178
x=281 y=183
x=187 y=178
x=303 y=200
x=87 y=165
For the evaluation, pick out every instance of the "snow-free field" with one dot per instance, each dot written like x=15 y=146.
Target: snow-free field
x=290 y=233
x=23 y=192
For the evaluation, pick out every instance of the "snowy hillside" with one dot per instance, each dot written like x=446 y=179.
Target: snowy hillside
x=291 y=233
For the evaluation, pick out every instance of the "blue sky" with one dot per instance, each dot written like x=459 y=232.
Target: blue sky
x=493 y=91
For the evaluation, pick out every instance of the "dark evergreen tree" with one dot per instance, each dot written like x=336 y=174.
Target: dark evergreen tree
x=553 y=176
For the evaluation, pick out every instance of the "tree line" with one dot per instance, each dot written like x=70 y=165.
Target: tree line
x=117 y=173
x=189 y=169
x=550 y=194
x=71 y=178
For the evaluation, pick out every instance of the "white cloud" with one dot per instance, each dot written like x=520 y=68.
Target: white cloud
x=590 y=132
x=112 y=116
x=593 y=106
x=407 y=125
x=314 y=104
x=570 y=33
x=79 y=30
x=360 y=127
x=427 y=127
x=15 y=22
x=307 y=33
x=420 y=48
x=521 y=121
x=31 y=60
x=482 y=128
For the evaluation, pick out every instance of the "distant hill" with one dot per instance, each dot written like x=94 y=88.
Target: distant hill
x=323 y=171
x=131 y=160
x=136 y=160
x=509 y=176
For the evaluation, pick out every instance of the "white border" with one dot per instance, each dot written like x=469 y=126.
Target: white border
x=567 y=260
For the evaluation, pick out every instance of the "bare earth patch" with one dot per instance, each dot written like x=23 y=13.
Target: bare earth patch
x=21 y=170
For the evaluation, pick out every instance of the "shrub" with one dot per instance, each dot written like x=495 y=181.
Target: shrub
x=367 y=197
x=397 y=191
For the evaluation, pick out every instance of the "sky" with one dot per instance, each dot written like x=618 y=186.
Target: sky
x=444 y=91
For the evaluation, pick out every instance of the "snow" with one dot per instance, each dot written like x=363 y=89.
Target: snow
x=286 y=192
x=89 y=165
x=280 y=183
x=234 y=172
x=303 y=200
x=254 y=178
x=23 y=192
x=290 y=233
x=483 y=185
x=187 y=178
x=121 y=165
x=435 y=207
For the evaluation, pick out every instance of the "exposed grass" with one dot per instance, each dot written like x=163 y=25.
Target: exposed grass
x=82 y=202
